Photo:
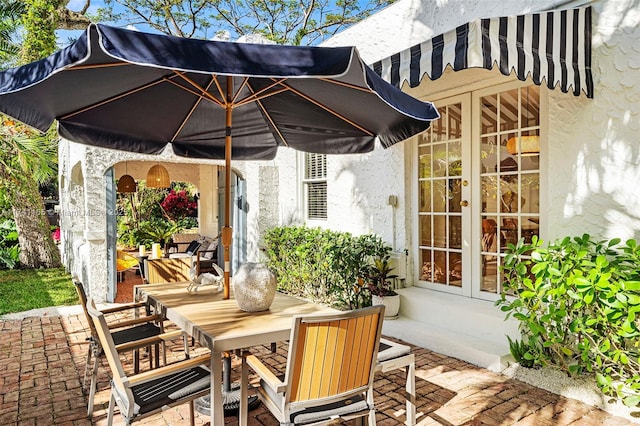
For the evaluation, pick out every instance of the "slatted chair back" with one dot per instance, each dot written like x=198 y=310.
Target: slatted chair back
x=110 y=352
x=82 y=296
x=331 y=357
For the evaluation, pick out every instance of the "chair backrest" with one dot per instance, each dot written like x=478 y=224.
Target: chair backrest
x=110 y=352
x=333 y=356
x=193 y=247
x=82 y=297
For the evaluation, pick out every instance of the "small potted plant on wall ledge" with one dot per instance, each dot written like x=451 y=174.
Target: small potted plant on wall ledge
x=380 y=285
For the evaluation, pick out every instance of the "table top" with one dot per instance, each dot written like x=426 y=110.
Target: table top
x=219 y=323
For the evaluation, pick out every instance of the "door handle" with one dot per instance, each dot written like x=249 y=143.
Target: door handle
x=464 y=203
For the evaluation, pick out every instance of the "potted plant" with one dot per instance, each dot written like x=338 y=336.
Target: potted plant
x=378 y=277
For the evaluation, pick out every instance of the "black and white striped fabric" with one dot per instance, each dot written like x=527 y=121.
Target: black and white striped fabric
x=550 y=46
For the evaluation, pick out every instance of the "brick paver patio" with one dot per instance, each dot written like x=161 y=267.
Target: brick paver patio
x=42 y=362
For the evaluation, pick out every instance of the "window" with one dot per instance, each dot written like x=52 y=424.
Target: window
x=315 y=186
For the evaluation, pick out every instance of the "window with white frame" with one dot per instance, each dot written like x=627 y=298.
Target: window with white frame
x=315 y=186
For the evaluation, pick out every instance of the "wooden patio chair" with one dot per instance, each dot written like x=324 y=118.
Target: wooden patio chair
x=330 y=369
x=130 y=335
x=147 y=393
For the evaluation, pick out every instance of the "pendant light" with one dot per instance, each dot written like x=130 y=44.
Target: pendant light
x=529 y=145
x=158 y=177
x=126 y=183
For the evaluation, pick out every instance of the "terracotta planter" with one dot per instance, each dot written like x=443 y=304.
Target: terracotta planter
x=391 y=305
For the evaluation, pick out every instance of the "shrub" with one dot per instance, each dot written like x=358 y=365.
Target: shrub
x=322 y=265
x=9 y=247
x=578 y=302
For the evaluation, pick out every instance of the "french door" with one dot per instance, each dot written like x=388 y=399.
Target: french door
x=478 y=188
x=443 y=183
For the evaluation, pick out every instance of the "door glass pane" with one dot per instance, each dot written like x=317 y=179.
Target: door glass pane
x=489 y=186
x=454 y=113
x=440 y=195
x=425 y=231
x=440 y=163
x=425 y=196
x=440 y=231
x=440 y=266
x=508 y=111
x=455 y=232
x=489 y=154
x=530 y=200
x=455 y=195
x=455 y=269
x=424 y=153
x=489 y=114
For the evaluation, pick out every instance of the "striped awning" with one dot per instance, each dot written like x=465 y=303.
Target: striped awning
x=549 y=46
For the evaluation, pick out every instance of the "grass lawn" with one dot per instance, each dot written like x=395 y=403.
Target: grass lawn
x=22 y=290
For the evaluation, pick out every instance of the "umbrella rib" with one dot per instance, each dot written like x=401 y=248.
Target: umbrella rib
x=256 y=96
x=193 y=108
x=344 y=84
x=266 y=114
x=116 y=97
x=204 y=93
x=93 y=66
x=245 y=81
x=329 y=110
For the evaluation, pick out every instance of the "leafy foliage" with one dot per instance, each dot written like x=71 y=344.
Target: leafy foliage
x=152 y=215
x=322 y=265
x=178 y=205
x=578 y=303
x=304 y=22
x=9 y=247
x=378 y=276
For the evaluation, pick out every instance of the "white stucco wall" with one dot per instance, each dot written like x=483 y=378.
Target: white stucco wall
x=594 y=155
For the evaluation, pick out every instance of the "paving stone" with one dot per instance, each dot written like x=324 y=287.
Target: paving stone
x=42 y=365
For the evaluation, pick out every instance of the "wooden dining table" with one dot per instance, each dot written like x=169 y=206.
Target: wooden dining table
x=222 y=327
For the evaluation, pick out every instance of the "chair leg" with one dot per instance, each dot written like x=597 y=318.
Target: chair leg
x=192 y=421
x=157 y=355
x=87 y=365
x=93 y=385
x=411 y=394
x=112 y=404
x=136 y=361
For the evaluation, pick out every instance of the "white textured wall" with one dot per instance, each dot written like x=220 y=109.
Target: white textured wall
x=594 y=150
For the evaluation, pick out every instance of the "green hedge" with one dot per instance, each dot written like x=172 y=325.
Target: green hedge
x=322 y=265
x=578 y=303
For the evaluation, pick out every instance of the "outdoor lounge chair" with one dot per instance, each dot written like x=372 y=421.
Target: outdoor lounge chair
x=124 y=262
x=330 y=369
x=144 y=394
x=131 y=335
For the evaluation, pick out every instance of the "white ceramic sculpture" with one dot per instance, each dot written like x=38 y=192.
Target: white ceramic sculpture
x=206 y=279
x=254 y=287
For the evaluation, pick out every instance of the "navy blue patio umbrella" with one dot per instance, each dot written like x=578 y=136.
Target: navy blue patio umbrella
x=140 y=92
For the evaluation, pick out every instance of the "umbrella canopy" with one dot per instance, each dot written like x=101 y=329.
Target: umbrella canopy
x=139 y=92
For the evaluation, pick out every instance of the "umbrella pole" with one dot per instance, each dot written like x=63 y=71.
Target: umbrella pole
x=226 y=230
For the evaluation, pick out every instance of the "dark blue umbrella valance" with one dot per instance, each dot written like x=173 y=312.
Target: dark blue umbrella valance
x=135 y=91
